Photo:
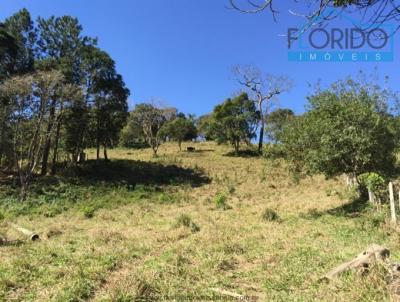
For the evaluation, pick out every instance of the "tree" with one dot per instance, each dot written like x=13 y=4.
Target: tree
x=373 y=13
x=107 y=95
x=17 y=42
x=180 y=129
x=346 y=131
x=20 y=27
x=263 y=89
x=234 y=121
x=111 y=112
x=75 y=123
x=132 y=135
x=61 y=46
x=93 y=116
x=276 y=121
x=150 y=119
x=8 y=51
x=31 y=98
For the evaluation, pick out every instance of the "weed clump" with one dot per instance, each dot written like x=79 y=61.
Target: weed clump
x=311 y=214
x=146 y=291
x=186 y=221
x=89 y=211
x=221 y=202
x=270 y=215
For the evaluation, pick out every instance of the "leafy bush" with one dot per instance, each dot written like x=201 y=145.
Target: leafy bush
x=346 y=130
x=372 y=181
x=376 y=184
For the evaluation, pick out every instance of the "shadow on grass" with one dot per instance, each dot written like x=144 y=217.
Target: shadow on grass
x=201 y=151
x=351 y=209
x=93 y=185
x=133 y=172
x=243 y=153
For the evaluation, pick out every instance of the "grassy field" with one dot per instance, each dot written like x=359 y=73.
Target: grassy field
x=183 y=223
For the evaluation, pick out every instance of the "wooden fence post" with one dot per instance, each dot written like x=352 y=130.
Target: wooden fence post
x=399 y=199
x=392 y=207
x=371 y=196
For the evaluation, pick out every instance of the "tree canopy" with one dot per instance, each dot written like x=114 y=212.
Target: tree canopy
x=346 y=130
x=180 y=129
x=234 y=121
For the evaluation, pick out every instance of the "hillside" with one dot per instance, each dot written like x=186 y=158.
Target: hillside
x=183 y=223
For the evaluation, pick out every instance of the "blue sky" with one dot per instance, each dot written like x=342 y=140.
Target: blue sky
x=182 y=51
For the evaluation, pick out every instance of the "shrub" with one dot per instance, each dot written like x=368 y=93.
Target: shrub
x=88 y=211
x=273 y=151
x=186 y=221
x=270 y=215
x=372 y=181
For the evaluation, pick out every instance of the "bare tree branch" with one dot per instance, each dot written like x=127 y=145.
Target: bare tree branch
x=263 y=89
x=373 y=13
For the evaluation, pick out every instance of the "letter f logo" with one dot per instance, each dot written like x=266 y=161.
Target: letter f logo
x=291 y=36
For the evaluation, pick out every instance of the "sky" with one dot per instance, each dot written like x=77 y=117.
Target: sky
x=181 y=52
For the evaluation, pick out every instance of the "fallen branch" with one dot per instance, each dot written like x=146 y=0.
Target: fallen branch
x=31 y=235
x=362 y=262
x=227 y=293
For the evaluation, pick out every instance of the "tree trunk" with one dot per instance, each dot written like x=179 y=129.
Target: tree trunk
x=154 y=151
x=392 y=206
x=2 y=143
x=97 y=150
x=2 y=137
x=46 y=150
x=105 y=154
x=55 y=150
x=362 y=262
x=45 y=157
x=24 y=187
x=31 y=235
x=261 y=138
x=236 y=145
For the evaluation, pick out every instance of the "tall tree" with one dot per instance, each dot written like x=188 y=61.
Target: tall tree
x=8 y=51
x=31 y=97
x=61 y=46
x=17 y=44
x=20 y=27
x=263 y=89
x=107 y=96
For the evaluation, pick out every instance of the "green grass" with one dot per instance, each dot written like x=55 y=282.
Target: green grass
x=143 y=227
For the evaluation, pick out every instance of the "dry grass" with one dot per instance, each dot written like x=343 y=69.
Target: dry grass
x=138 y=249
